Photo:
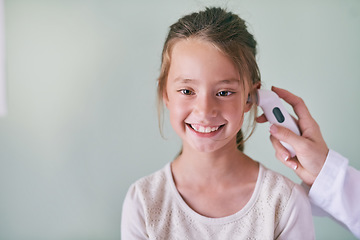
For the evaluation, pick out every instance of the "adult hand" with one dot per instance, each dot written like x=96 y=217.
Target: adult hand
x=311 y=149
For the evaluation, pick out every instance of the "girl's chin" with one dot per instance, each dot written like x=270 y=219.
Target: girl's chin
x=209 y=147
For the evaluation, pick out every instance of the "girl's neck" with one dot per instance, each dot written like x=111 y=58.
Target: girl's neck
x=217 y=166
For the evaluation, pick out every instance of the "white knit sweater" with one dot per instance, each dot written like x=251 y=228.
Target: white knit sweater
x=278 y=209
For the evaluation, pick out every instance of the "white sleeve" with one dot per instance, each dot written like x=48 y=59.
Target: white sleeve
x=296 y=221
x=132 y=220
x=336 y=191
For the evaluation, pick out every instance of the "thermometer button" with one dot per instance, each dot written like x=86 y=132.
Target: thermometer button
x=278 y=115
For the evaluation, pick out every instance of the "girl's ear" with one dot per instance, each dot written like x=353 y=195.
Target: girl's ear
x=249 y=101
x=248 y=106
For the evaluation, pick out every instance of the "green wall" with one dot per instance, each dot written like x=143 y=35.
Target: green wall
x=82 y=122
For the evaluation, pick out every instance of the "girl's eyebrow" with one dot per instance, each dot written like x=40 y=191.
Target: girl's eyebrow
x=225 y=81
x=183 y=80
x=230 y=81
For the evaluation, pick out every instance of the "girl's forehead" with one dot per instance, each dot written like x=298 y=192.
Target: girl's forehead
x=196 y=42
x=201 y=58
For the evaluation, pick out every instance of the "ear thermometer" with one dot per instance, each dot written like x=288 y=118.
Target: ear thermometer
x=276 y=113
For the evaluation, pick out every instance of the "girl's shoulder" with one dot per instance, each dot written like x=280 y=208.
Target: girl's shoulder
x=278 y=190
x=153 y=185
x=277 y=196
x=275 y=180
x=276 y=185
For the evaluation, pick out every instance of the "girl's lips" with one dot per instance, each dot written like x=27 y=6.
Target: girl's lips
x=204 y=129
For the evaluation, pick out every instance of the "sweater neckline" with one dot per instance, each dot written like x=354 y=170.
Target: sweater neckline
x=222 y=220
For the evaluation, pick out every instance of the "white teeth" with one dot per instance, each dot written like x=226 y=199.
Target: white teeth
x=203 y=129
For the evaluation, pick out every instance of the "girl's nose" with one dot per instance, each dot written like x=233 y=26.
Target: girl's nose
x=206 y=106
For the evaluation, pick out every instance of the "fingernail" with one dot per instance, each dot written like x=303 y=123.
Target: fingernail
x=286 y=157
x=295 y=167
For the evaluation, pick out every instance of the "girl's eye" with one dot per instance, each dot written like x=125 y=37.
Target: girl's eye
x=224 y=93
x=186 y=92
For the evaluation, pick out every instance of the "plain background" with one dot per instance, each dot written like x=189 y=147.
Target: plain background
x=81 y=91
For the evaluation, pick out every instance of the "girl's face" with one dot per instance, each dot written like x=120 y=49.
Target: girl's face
x=205 y=96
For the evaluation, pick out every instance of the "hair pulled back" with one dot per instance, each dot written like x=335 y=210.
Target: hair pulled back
x=227 y=32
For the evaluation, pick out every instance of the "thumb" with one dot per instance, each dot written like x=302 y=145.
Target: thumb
x=285 y=135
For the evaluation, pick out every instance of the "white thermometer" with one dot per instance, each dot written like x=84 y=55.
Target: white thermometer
x=276 y=113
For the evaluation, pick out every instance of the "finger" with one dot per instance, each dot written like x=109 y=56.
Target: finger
x=296 y=102
x=305 y=175
x=282 y=154
x=261 y=119
x=295 y=120
x=285 y=135
x=293 y=164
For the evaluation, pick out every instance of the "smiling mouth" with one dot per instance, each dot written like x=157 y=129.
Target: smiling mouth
x=203 y=129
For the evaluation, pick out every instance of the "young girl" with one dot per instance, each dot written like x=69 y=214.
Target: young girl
x=212 y=190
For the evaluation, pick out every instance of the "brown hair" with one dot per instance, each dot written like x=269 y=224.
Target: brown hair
x=228 y=32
